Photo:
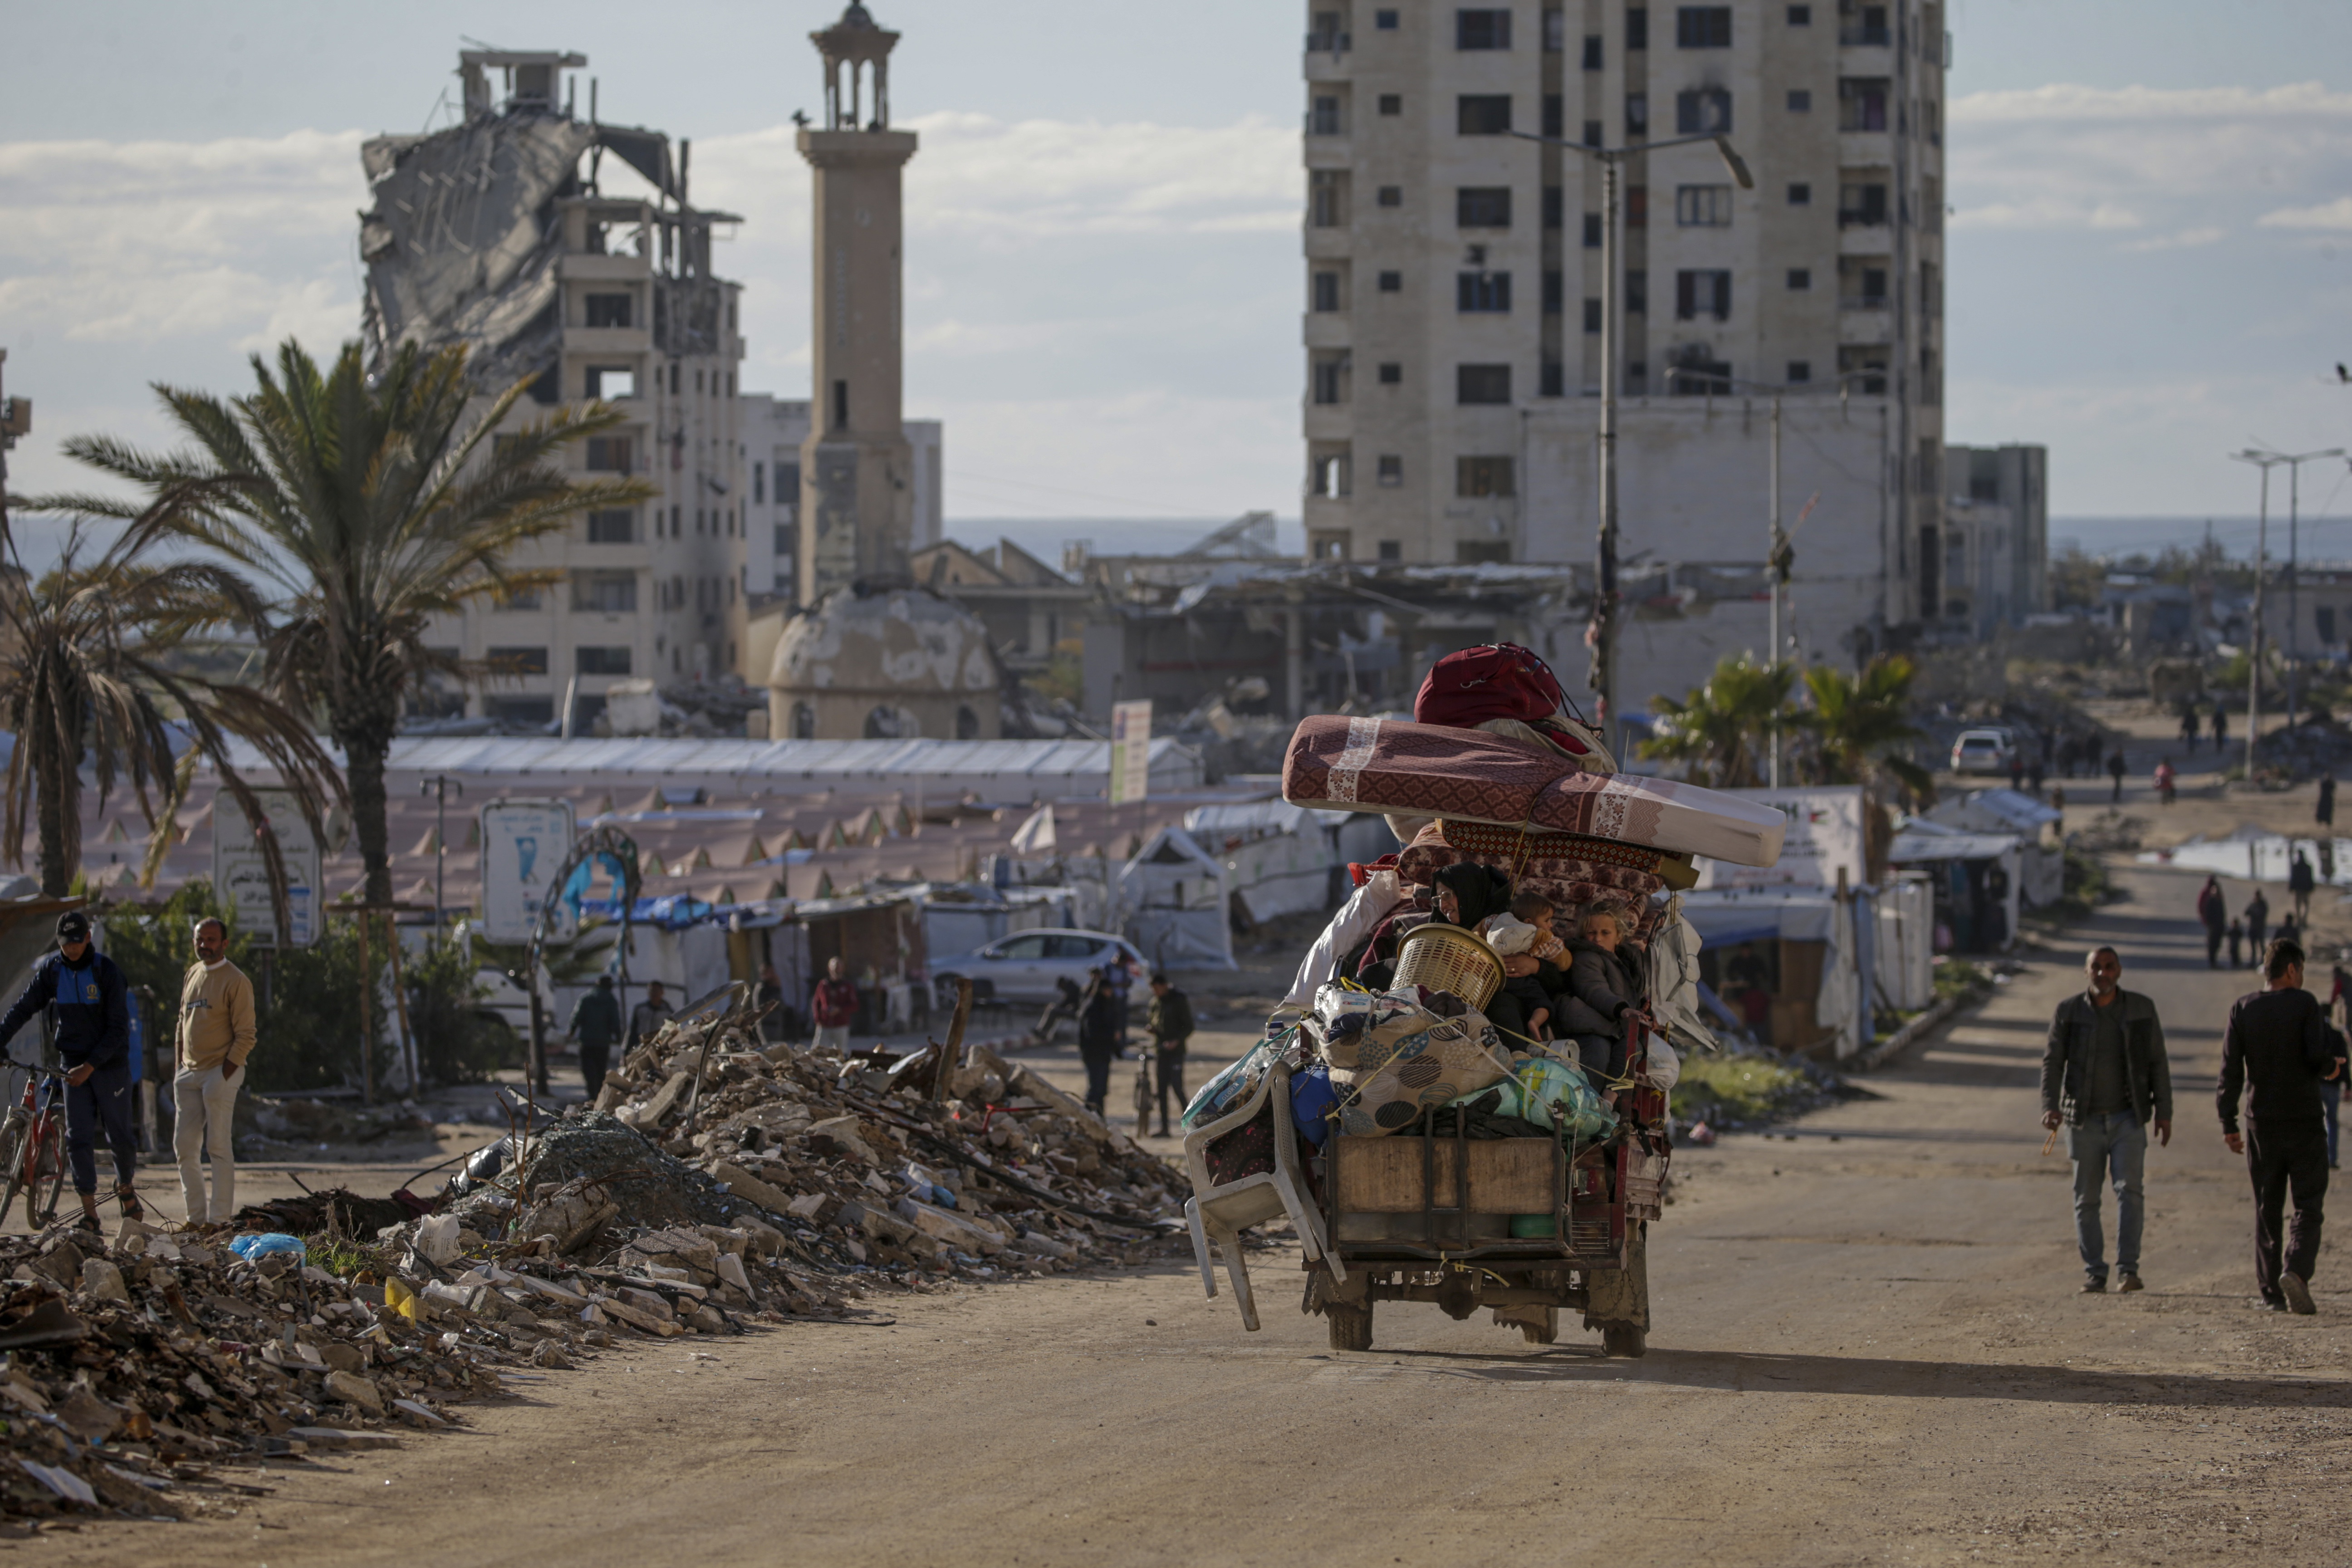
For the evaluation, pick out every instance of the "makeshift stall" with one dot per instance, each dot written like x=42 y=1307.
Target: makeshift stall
x=2041 y=846
x=1974 y=879
x=1787 y=963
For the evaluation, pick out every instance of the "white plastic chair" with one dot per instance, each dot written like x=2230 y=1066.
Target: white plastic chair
x=1219 y=1212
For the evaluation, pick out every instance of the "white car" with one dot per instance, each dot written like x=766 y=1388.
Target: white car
x=1982 y=751
x=1027 y=965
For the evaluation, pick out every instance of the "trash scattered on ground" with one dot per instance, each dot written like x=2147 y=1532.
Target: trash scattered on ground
x=720 y=1182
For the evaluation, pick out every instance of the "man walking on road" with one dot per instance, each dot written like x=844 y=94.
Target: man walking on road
x=834 y=1007
x=648 y=1016
x=2277 y=1046
x=596 y=1024
x=2116 y=770
x=214 y=1038
x=2258 y=920
x=2213 y=911
x=2104 y=1075
x=2325 y=811
x=2300 y=882
x=1170 y=1023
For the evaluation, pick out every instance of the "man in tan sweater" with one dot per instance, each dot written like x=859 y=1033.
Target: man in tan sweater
x=215 y=1035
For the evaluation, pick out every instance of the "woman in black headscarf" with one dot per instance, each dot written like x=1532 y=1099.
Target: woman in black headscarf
x=1468 y=895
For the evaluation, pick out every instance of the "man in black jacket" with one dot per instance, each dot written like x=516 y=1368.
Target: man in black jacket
x=2277 y=1045
x=2104 y=1075
x=89 y=1004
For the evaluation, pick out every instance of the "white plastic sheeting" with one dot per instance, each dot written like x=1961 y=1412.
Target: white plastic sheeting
x=1905 y=952
x=1173 y=897
x=1365 y=908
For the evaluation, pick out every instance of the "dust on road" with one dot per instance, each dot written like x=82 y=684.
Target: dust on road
x=1869 y=1348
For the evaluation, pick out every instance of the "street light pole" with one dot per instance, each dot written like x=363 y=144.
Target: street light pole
x=1603 y=631
x=2265 y=461
x=1772 y=573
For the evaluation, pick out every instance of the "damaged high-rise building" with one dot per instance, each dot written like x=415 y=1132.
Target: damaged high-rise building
x=568 y=252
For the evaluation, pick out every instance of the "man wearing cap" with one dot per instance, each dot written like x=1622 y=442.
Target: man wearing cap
x=216 y=1037
x=89 y=1005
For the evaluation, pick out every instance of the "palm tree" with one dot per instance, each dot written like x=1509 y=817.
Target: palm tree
x=372 y=508
x=1861 y=726
x=1722 y=729
x=93 y=670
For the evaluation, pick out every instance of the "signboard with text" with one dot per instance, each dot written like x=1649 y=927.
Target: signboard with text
x=241 y=873
x=524 y=843
x=1131 y=751
x=1825 y=834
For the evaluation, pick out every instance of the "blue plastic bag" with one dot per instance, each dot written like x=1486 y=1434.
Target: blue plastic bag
x=255 y=1245
x=1311 y=1100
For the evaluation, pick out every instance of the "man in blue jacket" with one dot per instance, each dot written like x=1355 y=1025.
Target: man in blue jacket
x=89 y=1004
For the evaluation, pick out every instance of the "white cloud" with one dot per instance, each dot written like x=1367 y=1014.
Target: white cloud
x=2066 y=100
x=2336 y=214
x=2048 y=211
x=2186 y=240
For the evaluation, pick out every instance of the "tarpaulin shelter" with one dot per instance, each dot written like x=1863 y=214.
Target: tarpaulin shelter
x=1173 y=897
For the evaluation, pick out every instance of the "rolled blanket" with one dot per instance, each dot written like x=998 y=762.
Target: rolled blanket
x=1389 y=765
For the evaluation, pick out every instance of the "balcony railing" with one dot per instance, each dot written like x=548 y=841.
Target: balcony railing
x=1864 y=217
x=1867 y=35
x=1329 y=42
x=1863 y=302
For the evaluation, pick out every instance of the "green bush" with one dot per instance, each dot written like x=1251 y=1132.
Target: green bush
x=456 y=1041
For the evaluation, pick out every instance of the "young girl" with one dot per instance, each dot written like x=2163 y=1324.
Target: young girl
x=1602 y=984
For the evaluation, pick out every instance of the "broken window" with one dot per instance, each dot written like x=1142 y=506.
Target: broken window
x=1866 y=363
x=1483 y=28
x=1693 y=372
x=1482 y=293
x=608 y=454
x=1637 y=114
x=612 y=380
x=601 y=660
x=1703 y=206
x=610 y=592
x=1474 y=478
x=1326 y=199
x=1327 y=291
x=1483 y=207
x=1330 y=378
x=1703 y=27
x=1862 y=204
x=1702 y=292
x=609 y=309
x=1861 y=103
x=1703 y=111
x=1483 y=114
x=1329 y=473
x=1482 y=384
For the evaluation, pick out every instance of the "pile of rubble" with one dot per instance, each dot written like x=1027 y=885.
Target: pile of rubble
x=814 y=1172
x=2317 y=745
x=150 y=1374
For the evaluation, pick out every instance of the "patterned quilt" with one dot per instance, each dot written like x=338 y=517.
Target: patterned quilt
x=1390 y=765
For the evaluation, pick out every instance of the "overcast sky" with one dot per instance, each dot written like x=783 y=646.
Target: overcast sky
x=2150 y=253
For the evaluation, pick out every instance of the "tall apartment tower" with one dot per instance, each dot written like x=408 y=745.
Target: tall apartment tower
x=566 y=251
x=857 y=514
x=1453 y=297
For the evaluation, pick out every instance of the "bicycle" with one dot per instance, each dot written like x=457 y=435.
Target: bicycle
x=33 y=1148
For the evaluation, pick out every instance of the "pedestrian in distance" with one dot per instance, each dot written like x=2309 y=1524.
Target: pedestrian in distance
x=2237 y=942
x=2301 y=884
x=834 y=1006
x=2213 y=914
x=1170 y=1023
x=2221 y=725
x=2104 y=1076
x=2034 y=773
x=211 y=1044
x=2016 y=769
x=2325 y=811
x=2258 y=921
x=2117 y=768
x=596 y=1024
x=2276 y=1054
x=2067 y=751
x=2189 y=727
x=1098 y=1037
x=2164 y=781
x=770 y=998
x=647 y=1017
x=89 y=1005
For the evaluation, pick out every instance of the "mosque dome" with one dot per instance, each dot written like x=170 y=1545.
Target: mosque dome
x=884 y=664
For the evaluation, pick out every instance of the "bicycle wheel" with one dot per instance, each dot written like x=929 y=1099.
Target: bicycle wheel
x=12 y=1158
x=48 y=1172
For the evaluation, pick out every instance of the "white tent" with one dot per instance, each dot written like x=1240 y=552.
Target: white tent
x=1173 y=896
x=1905 y=951
x=1278 y=858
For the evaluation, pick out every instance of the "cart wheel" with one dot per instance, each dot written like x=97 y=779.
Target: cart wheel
x=1624 y=1340
x=1351 y=1327
x=1545 y=1332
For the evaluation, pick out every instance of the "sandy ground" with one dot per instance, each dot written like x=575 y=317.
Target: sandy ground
x=1869 y=1348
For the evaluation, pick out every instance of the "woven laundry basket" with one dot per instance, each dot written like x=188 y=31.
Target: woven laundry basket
x=1447 y=958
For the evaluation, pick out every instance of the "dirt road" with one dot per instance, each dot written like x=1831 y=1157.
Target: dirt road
x=1869 y=1348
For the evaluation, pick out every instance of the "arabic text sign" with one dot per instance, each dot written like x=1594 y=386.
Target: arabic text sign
x=524 y=843
x=241 y=874
x=1131 y=751
x=1825 y=833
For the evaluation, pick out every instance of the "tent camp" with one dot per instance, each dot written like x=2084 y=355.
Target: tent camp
x=1282 y=859
x=1976 y=879
x=1173 y=894
x=2040 y=847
